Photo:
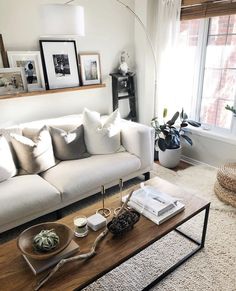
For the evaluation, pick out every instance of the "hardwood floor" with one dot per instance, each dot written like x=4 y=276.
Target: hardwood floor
x=182 y=166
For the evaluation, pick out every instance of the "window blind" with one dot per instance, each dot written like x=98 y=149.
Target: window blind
x=192 y=9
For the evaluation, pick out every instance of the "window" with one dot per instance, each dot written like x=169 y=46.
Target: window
x=209 y=69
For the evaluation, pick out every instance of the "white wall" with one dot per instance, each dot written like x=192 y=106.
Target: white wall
x=210 y=149
x=109 y=29
x=144 y=64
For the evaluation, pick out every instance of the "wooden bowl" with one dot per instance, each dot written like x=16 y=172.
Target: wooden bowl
x=25 y=240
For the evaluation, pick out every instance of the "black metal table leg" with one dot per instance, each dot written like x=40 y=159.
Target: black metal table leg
x=200 y=245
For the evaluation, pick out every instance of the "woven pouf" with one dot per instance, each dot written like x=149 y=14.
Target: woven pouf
x=226 y=176
x=225 y=195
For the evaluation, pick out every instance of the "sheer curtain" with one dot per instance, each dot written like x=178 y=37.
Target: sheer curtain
x=165 y=31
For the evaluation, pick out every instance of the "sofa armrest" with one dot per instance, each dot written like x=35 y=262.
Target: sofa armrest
x=138 y=139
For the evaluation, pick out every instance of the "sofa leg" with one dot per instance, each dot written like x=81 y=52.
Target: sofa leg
x=146 y=176
x=59 y=214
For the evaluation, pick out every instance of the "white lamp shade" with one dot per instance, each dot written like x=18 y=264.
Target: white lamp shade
x=62 y=19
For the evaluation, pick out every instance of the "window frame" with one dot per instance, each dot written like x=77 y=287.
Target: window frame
x=199 y=82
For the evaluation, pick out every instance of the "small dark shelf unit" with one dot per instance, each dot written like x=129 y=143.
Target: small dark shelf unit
x=123 y=88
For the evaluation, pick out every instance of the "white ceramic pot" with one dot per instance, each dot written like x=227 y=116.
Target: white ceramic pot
x=170 y=158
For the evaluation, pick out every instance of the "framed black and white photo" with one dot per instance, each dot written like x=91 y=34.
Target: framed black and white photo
x=30 y=61
x=60 y=63
x=1 y=63
x=12 y=81
x=90 y=68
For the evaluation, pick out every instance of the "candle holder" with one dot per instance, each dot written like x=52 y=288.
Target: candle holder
x=103 y=211
x=121 y=188
x=80 y=226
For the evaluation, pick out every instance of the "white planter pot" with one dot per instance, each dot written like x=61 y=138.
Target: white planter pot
x=170 y=158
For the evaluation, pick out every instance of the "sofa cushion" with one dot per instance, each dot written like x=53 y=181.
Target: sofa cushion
x=22 y=196
x=102 y=136
x=7 y=166
x=35 y=156
x=68 y=145
x=76 y=177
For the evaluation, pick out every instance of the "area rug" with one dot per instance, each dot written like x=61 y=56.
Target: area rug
x=213 y=268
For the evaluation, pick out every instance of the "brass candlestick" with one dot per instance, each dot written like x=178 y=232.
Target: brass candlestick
x=121 y=188
x=103 y=211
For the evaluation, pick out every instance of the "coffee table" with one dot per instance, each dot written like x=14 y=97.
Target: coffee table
x=112 y=251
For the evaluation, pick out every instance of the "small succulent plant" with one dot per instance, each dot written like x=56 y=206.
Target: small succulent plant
x=46 y=240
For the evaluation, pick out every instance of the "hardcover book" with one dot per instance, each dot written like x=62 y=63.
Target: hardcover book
x=161 y=218
x=38 y=266
x=151 y=202
x=154 y=205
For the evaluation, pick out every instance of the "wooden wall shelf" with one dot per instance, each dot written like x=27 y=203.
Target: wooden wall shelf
x=52 y=91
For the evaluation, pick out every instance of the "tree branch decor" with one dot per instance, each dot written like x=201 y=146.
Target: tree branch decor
x=84 y=256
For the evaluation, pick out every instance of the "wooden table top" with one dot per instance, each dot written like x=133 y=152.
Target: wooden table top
x=16 y=275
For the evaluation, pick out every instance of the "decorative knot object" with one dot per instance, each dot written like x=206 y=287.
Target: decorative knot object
x=123 y=222
x=46 y=240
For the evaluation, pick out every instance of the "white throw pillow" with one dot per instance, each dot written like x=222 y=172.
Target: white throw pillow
x=102 y=136
x=7 y=165
x=34 y=155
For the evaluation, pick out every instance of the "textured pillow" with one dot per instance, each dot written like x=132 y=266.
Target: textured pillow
x=7 y=165
x=34 y=155
x=101 y=136
x=68 y=145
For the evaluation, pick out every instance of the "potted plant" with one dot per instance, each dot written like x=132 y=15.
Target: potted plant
x=168 y=137
x=231 y=108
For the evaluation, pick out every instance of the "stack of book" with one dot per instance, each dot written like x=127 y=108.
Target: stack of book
x=153 y=204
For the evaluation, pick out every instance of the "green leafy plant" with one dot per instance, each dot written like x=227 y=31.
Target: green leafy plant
x=167 y=135
x=231 y=108
x=46 y=240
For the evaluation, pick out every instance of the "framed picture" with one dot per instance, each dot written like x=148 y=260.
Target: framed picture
x=1 y=63
x=30 y=61
x=60 y=63
x=4 y=60
x=90 y=68
x=12 y=80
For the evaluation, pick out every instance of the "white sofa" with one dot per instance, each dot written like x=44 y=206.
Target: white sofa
x=26 y=197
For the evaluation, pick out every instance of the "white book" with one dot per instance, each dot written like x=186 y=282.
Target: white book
x=153 y=200
x=156 y=219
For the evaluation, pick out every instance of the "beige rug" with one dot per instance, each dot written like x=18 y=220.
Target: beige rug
x=213 y=268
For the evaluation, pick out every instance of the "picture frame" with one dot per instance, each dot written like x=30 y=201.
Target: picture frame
x=3 y=54
x=31 y=62
x=12 y=81
x=60 y=63
x=90 y=68
x=1 y=63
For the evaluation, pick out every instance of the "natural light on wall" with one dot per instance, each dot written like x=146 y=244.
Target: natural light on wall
x=62 y=19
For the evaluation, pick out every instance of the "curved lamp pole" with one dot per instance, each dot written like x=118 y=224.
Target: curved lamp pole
x=149 y=41
x=152 y=51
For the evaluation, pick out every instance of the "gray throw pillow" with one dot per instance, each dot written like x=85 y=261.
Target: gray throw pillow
x=68 y=145
x=34 y=155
